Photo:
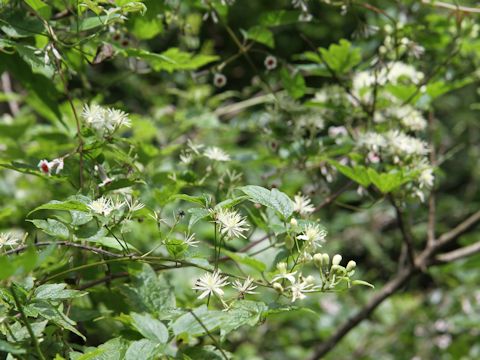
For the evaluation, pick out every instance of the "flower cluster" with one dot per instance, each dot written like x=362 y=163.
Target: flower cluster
x=104 y=120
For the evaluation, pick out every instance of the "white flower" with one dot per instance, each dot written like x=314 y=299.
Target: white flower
x=134 y=205
x=314 y=235
x=211 y=284
x=299 y=288
x=411 y=118
x=426 y=178
x=219 y=80
x=283 y=274
x=337 y=131
x=402 y=144
x=190 y=240
x=48 y=166
x=104 y=120
x=186 y=157
x=217 y=154
x=7 y=239
x=231 y=223
x=194 y=147
x=102 y=206
x=396 y=70
x=246 y=287
x=372 y=141
x=303 y=205
x=270 y=62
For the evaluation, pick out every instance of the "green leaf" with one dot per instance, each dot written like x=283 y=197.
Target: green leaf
x=359 y=173
x=171 y=60
x=294 y=84
x=150 y=327
x=342 y=57
x=146 y=347
x=55 y=292
x=10 y=348
x=197 y=214
x=70 y=205
x=193 y=199
x=361 y=282
x=273 y=199
x=40 y=7
x=187 y=323
x=246 y=260
x=52 y=227
x=114 y=349
x=261 y=35
x=55 y=315
x=277 y=18
x=243 y=312
x=147 y=292
x=386 y=182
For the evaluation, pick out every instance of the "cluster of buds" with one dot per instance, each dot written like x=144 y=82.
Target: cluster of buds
x=333 y=273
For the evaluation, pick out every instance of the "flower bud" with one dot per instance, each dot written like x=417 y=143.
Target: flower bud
x=326 y=259
x=289 y=243
x=336 y=259
x=310 y=279
x=351 y=265
x=337 y=269
x=293 y=222
x=318 y=260
x=282 y=267
x=278 y=287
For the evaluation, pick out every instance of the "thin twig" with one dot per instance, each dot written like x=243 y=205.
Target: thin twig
x=459 y=253
x=407 y=237
x=330 y=198
x=209 y=334
x=66 y=244
x=454 y=7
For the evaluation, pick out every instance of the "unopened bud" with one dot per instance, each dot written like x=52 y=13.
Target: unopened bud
x=337 y=269
x=278 y=288
x=318 y=260
x=336 y=259
x=326 y=259
x=351 y=265
x=310 y=279
x=282 y=267
x=289 y=243
x=293 y=222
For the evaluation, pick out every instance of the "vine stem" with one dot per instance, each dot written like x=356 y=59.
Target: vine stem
x=36 y=345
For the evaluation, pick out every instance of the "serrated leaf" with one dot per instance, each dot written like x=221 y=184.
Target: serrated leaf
x=273 y=199
x=187 y=323
x=359 y=173
x=294 y=84
x=261 y=35
x=341 y=57
x=52 y=227
x=55 y=292
x=150 y=327
x=145 y=347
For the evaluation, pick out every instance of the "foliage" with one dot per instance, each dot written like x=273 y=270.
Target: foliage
x=179 y=178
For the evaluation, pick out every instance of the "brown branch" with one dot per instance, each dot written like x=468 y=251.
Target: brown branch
x=330 y=198
x=7 y=88
x=65 y=244
x=453 y=7
x=459 y=253
x=425 y=259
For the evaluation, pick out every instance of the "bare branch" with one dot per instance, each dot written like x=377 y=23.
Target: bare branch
x=407 y=237
x=459 y=253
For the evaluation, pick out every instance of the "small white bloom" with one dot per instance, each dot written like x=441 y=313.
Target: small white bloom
x=401 y=144
x=426 y=178
x=246 y=287
x=270 y=62
x=190 y=240
x=102 y=206
x=217 y=154
x=337 y=131
x=186 y=157
x=372 y=141
x=210 y=284
x=134 y=205
x=300 y=287
x=48 y=166
x=314 y=235
x=104 y=120
x=231 y=223
x=283 y=273
x=303 y=204
x=8 y=239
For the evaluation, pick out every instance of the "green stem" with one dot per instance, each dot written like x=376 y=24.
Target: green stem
x=36 y=345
